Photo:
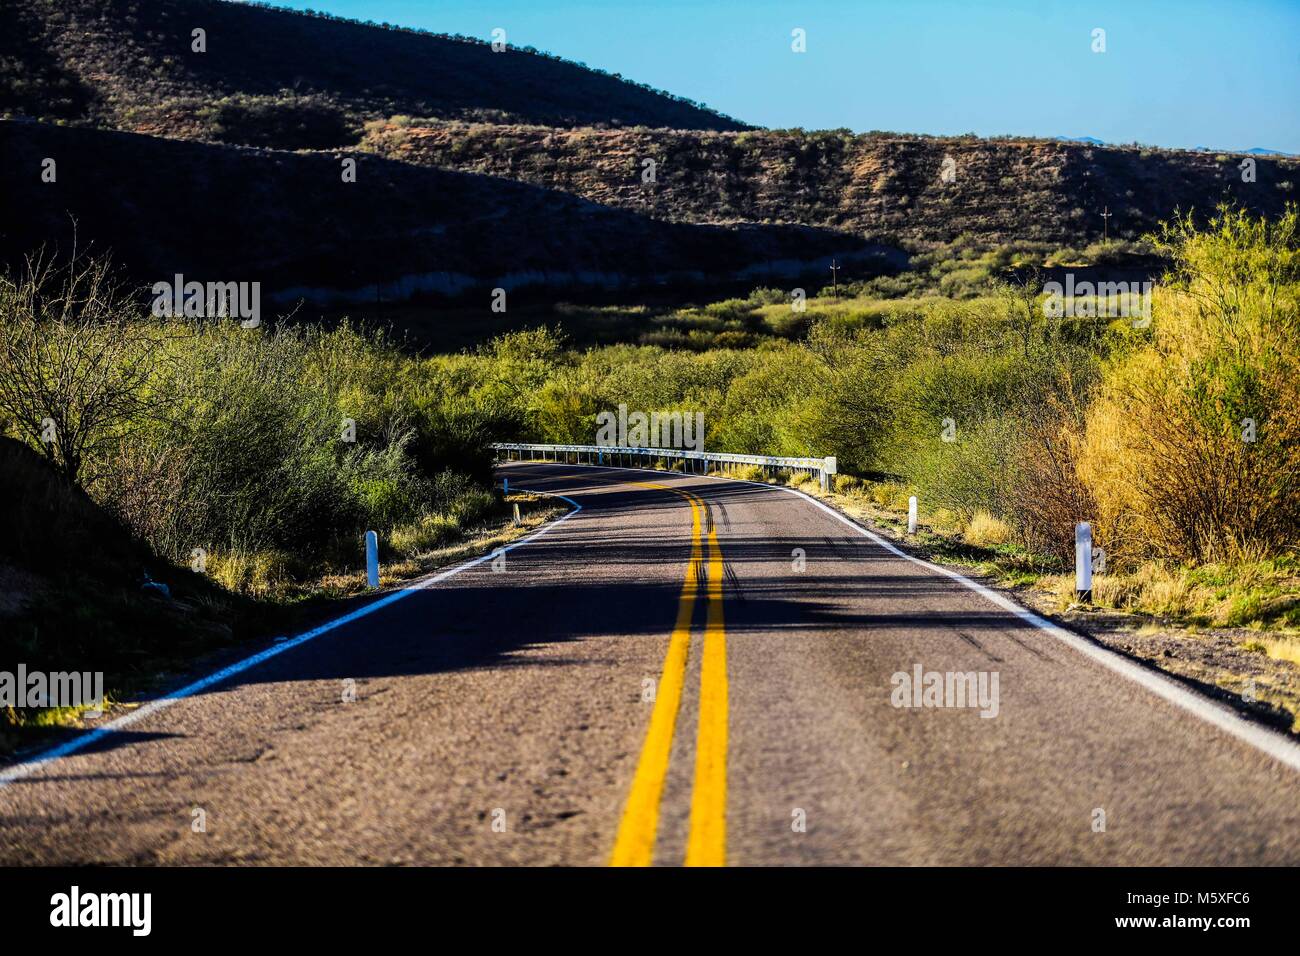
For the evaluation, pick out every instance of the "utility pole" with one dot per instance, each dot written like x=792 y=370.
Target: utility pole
x=1105 y=223
x=835 y=278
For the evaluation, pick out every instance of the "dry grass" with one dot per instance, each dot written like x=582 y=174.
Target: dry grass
x=409 y=551
x=427 y=534
x=1285 y=648
x=889 y=494
x=985 y=531
x=847 y=485
x=804 y=481
x=1260 y=595
x=259 y=575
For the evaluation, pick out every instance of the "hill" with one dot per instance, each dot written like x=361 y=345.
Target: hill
x=288 y=220
x=273 y=77
x=885 y=187
x=494 y=182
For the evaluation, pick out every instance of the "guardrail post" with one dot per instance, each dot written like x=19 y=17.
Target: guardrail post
x=829 y=467
x=372 y=559
x=1083 y=562
x=911 y=515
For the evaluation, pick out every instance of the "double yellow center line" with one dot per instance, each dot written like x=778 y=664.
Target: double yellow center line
x=707 y=843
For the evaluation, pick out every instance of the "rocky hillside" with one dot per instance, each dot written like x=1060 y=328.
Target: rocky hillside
x=272 y=77
x=289 y=220
x=881 y=186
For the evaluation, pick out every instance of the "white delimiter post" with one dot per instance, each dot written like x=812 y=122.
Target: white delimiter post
x=911 y=515
x=1083 y=562
x=829 y=467
x=372 y=559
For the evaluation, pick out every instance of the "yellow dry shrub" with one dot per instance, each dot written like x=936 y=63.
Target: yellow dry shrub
x=1192 y=447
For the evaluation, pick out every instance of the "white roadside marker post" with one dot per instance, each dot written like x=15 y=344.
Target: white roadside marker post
x=372 y=559
x=911 y=515
x=517 y=518
x=1083 y=562
x=829 y=467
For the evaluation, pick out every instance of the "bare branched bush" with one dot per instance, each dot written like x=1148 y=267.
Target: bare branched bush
x=76 y=359
x=1048 y=498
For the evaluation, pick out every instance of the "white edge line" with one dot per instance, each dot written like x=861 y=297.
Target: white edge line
x=28 y=766
x=1270 y=742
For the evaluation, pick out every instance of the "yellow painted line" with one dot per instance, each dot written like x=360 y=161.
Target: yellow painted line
x=635 y=843
x=707 y=844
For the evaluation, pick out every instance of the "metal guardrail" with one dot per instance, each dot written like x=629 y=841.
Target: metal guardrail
x=631 y=457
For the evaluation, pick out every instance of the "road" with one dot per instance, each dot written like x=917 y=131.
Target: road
x=660 y=678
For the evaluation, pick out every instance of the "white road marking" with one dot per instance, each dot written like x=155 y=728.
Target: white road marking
x=1212 y=712
x=1270 y=742
x=20 y=770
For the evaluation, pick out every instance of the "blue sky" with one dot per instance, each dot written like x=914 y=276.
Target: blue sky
x=1182 y=73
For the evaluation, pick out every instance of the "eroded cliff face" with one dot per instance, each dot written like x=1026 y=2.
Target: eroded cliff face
x=289 y=221
x=883 y=187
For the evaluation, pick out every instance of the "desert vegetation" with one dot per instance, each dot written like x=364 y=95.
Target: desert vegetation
x=237 y=441
x=1178 y=439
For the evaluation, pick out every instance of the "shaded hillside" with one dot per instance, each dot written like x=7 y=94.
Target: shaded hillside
x=70 y=584
x=221 y=213
x=59 y=524
x=280 y=78
x=882 y=186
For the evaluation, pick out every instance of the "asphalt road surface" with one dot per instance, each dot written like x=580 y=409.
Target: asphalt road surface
x=686 y=670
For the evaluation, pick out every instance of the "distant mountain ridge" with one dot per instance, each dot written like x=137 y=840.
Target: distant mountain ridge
x=1253 y=151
